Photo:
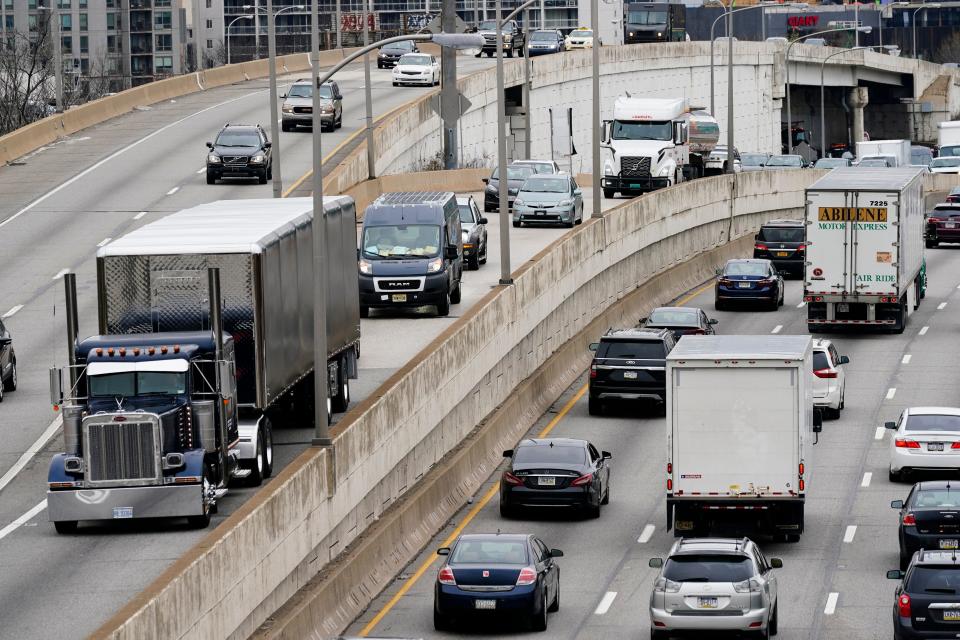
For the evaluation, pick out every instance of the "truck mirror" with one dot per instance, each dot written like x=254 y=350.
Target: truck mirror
x=896 y=504
x=593 y=346
x=817 y=420
x=895 y=574
x=56 y=386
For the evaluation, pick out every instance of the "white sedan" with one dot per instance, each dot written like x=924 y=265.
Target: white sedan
x=416 y=68
x=946 y=164
x=925 y=438
x=829 y=378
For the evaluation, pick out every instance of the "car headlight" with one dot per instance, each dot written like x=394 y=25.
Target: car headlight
x=213 y=158
x=287 y=109
x=365 y=266
x=565 y=203
x=257 y=159
x=518 y=202
x=382 y=55
x=435 y=265
x=632 y=34
x=659 y=35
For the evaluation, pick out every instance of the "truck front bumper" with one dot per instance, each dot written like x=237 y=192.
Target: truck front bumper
x=121 y=503
x=636 y=183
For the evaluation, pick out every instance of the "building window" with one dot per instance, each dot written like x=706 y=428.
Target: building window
x=163 y=64
x=8 y=22
x=83 y=22
x=8 y=4
x=112 y=46
x=66 y=44
x=82 y=4
x=162 y=20
x=112 y=22
x=84 y=65
x=209 y=44
x=66 y=22
x=209 y=24
x=161 y=3
x=31 y=4
x=32 y=23
x=209 y=4
x=84 y=44
x=63 y=4
x=164 y=42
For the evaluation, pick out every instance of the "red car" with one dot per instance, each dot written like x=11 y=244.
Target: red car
x=943 y=224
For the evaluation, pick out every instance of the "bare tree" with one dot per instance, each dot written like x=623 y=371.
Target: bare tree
x=949 y=50
x=26 y=77
x=216 y=57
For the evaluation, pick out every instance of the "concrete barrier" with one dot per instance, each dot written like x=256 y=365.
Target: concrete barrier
x=280 y=539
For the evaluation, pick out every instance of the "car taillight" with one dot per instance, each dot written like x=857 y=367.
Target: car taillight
x=582 y=480
x=825 y=373
x=446 y=576
x=760 y=247
x=802 y=248
x=903 y=605
x=593 y=371
x=903 y=443
x=509 y=478
x=726 y=282
x=934 y=219
x=955 y=445
x=527 y=576
x=909 y=519
x=696 y=332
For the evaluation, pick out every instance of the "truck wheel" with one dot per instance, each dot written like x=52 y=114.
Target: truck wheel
x=255 y=479
x=64 y=527
x=609 y=193
x=595 y=406
x=267 y=448
x=342 y=400
x=443 y=307
x=203 y=520
x=932 y=244
x=516 y=224
x=285 y=126
x=455 y=295
x=364 y=311
x=510 y=52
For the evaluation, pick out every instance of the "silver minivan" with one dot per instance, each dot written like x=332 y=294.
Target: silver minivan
x=714 y=584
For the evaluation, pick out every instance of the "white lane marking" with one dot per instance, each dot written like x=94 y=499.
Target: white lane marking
x=777 y=328
x=139 y=215
x=173 y=191
x=116 y=153
x=60 y=274
x=12 y=311
x=867 y=477
x=831 y=603
x=941 y=306
x=33 y=450
x=22 y=520
x=923 y=331
x=892 y=391
x=104 y=242
x=202 y=169
x=605 y=603
x=906 y=359
x=646 y=534
x=849 y=533
x=801 y=305
x=878 y=434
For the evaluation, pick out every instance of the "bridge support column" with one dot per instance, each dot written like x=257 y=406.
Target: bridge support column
x=858 y=102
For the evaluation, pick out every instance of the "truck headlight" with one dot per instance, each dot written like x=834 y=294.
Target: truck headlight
x=665 y=171
x=287 y=109
x=213 y=158
x=326 y=109
x=659 y=35
x=435 y=265
x=365 y=266
x=258 y=159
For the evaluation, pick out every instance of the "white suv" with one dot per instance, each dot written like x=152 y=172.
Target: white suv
x=829 y=378
x=714 y=584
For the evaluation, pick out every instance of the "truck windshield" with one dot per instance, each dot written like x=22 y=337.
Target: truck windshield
x=946 y=162
x=488 y=25
x=306 y=91
x=139 y=383
x=647 y=17
x=700 y=568
x=642 y=130
x=402 y=240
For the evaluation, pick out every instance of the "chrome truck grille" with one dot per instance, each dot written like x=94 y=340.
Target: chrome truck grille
x=121 y=451
x=634 y=167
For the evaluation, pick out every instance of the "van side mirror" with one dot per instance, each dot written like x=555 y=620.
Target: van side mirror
x=896 y=504
x=817 y=420
x=508 y=453
x=451 y=252
x=655 y=563
x=890 y=425
x=593 y=346
x=606 y=455
x=556 y=553
x=776 y=563
x=895 y=574
x=485 y=180
x=713 y=321
x=210 y=145
x=483 y=221
x=843 y=360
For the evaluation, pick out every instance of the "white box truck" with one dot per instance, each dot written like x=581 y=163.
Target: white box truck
x=740 y=431
x=948 y=138
x=864 y=248
x=896 y=153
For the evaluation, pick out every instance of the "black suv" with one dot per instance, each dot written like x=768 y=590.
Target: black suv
x=927 y=601
x=8 y=362
x=782 y=242
x=629 y=364
x=240 y=151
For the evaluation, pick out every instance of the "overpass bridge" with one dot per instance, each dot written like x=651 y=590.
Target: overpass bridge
x=270 y=544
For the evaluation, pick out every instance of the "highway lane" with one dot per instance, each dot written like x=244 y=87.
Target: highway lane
x=609 y=555
x=40 y=572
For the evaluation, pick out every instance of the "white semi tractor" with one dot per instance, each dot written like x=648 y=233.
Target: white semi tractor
x=865 y=262
x=653 y=143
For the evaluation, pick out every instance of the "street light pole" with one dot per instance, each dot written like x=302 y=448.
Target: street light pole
x=227 y=36
x=368 y=95
x=595 y=124
x=786 y=63
x=913 y=23
x=274 y=116
x=731 y=155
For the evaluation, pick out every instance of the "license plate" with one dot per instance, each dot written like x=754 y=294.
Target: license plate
x=843 y=307
x=540 y=213
x=934 y=446
x=744 y=285
x=707 y=603
x=949 y=225
x=683 y=525
x=949 y=544
x=121 y=513
x=485 y=604
x=629 y=375
x=951 y=615
x=782 y=254
x=398 y=297
x=547 y=481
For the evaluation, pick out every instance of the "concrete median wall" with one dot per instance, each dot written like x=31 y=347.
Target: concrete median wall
x=295 y=527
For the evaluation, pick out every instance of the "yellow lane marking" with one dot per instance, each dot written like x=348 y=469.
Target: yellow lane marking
x=423 y=568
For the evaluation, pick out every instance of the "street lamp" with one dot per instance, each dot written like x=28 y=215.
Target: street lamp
x=454 y=40
x=54 y=31
x=823 y=121
x=227 y=32
x=787 y=64
x=913 y=22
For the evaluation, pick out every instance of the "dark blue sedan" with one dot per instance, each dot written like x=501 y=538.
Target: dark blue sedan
x=497 y=575
x=546 y=41
x=749 y=280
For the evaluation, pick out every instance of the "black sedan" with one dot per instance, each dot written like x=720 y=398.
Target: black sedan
x=497 y=575
x=929 y=518
x=680 y=320
x=749 y=280
x=516 y=175
x=8 y=362
x=552 y=472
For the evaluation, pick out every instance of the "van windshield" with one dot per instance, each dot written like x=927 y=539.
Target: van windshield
x=402 y=240
x=641 y=130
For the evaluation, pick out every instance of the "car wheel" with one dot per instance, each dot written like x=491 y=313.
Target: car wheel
x=719 y=305
x=11 y=383
x=270 y=172
x=473 y=263
x=262 y=178
x=772 y=625
x=656 y=634
x=843 y=399
x=443 y=307
x=780 y=303
x=606 y=494
x=556 y=599
x=364 y=311
x=539 y=620
x=895 y=476
x=65 y=526
x=517 y=223
x=595 y=406
x=593 y=510
x=211 y=179
x=569 y=225
x=285 y=126
x=932 y=244
x=506 y=511
x=609 y=193
x=340 y=121
x=395 y=84
x=455 y=295
x=483 y=260
x=440 y=621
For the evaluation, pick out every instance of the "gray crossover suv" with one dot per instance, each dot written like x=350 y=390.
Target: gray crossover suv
x=297 y=106
x=714 y=584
